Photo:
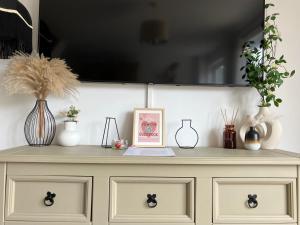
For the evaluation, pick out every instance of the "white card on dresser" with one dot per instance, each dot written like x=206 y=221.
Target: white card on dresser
x=161 y=152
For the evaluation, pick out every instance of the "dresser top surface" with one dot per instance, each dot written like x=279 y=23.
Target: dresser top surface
x=96 y=154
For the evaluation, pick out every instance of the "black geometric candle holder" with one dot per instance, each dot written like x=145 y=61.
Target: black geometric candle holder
x=105 y=137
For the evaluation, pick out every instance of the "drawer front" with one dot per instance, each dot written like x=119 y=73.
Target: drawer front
x=254 y=200
x=25 y=199
x=174 y=200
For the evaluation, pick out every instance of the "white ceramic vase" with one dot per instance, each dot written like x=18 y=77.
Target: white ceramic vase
x=69 y=136
x=267 y=125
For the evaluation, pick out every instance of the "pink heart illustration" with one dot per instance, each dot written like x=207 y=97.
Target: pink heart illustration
x=148 y=128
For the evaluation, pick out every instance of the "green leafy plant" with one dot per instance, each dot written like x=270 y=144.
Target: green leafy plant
x=264 y=70
x=72 y=113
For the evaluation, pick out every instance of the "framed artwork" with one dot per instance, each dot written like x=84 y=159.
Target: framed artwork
x=148 y=128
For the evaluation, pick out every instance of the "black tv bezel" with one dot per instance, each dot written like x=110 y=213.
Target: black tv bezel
x=160 y=83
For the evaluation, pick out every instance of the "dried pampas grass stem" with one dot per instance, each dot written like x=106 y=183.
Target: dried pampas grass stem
x=39 y=76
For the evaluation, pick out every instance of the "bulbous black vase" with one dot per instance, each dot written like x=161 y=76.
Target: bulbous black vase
x=40 y=125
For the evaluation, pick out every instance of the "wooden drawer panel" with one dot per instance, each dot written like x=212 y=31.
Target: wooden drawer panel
x=276 y=200
x=128 y=200
x=25 y=198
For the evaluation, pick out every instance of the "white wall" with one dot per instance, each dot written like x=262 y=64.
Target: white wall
x=202 y=104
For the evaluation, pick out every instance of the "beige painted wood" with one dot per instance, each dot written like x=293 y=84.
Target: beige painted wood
x=192 y=224
x=2 y=191
x=100 y=204
x=203 y=166
x=96 y=154
x=277 y=200
x=298 y=190
x=257 y=223
x=154 y=224
x=45 y=223
x=25 y=196
x=204 y=171
x=203 y=198
x=175 y=197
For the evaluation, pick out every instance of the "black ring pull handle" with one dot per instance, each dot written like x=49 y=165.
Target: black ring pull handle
x=252 y=202
x=151 y=201
x=49 y=199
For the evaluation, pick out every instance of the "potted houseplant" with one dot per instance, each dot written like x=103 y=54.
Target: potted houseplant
x=70 y=136
x=266 y=72
x=39 y=76
x=72 y=114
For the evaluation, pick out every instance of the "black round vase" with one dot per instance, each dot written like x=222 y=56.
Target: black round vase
x=252 y=139
x=186 y=129
x=40 y=125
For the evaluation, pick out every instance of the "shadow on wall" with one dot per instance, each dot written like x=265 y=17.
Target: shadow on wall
x=127 y=127
x=13 y=111
x=202 y=104
x=242 y=98
x=214 y=138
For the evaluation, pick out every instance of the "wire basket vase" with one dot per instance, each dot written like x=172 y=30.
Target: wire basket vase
x=40 y=126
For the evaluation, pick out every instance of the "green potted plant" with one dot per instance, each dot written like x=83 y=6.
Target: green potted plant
x=70 y=136
x=72 y=114
x=265 y=71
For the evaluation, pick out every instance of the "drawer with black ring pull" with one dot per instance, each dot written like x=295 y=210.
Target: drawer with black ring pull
x=48 y=199
x=152 y=200
x=254 y=200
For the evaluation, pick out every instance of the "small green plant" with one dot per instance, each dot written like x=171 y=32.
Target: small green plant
x=72 y=113
x=264 y=70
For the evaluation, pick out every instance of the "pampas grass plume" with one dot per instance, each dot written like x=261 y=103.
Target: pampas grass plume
x=39 y=76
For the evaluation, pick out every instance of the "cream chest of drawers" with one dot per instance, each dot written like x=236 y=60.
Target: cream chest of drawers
x=87 y=185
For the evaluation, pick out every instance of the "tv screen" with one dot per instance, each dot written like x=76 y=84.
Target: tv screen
x=184 y=42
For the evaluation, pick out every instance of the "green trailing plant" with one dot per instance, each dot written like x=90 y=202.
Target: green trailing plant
x=264 y=70
x=72 y=113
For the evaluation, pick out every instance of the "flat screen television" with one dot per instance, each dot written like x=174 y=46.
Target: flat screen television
x=181 y=42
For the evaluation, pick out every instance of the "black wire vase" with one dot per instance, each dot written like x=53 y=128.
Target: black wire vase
x=40 y=125
x=186 y=130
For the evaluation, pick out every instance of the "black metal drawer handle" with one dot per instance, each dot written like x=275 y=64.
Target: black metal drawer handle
x=252 y=202
x=151 y=201
x=49 y=199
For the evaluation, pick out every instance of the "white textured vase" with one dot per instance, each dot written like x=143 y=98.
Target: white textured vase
x=268 y=126
x=69 y=136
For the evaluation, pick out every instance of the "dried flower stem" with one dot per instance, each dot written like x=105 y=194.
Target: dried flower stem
x=41 y=119
x=39 y=76
x=233 y=116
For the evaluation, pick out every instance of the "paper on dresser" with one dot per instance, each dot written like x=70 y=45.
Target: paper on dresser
x=162 y=152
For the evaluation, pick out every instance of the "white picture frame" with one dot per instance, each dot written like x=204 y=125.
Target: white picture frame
x=148 y=127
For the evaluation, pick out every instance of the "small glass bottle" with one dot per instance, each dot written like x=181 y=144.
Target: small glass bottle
x=229 y=137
